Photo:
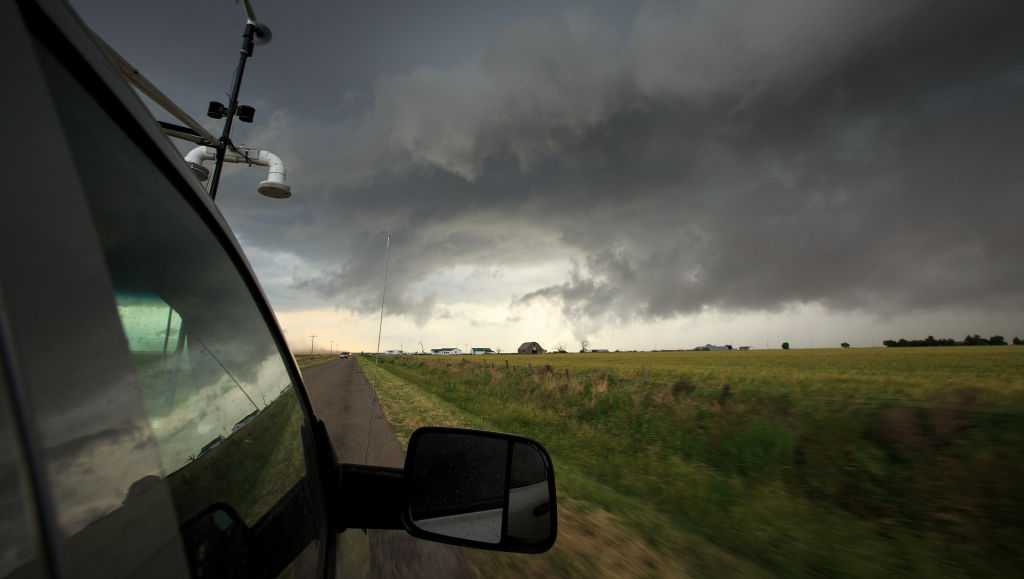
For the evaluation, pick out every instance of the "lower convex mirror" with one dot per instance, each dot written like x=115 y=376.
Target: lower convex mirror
x=480 y=489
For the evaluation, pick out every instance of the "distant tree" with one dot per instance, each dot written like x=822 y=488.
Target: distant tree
x=1017 y=341
x=845 y=344
x=560 y=348
x=997 y=341
x=584 y=346
x=785 y=345
x=930 y=341
x=975 y=340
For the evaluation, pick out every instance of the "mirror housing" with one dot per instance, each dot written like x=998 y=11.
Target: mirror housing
x=480 y=489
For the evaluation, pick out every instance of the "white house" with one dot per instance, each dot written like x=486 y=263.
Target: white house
x=445 y=351
x=482 y=351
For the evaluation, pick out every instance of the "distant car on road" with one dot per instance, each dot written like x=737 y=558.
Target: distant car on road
x=343 y=355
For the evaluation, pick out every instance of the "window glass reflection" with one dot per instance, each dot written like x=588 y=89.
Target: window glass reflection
x=529 y=497
x=193 y=398
x=220 y=403
x=217 y=403
x=215 y=388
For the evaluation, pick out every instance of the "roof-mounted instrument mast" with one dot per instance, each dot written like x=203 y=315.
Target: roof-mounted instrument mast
x=254 y=33
x=211 y=148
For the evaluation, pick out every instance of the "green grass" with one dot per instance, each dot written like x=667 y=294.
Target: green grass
x=829 y=463
x=309 y=360
x=592 y=540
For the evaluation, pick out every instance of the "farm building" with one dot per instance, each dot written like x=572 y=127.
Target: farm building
x=445 y=351
x=531 y=348
x=482 y=351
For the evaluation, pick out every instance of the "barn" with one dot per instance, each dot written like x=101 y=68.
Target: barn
x=531 y=348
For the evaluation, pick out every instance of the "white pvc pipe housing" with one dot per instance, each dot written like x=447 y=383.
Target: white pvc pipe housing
x=275 y=185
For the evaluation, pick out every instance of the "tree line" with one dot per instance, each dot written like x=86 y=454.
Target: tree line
x=969 y=340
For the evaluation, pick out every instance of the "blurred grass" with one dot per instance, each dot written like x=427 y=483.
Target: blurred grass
x=309 y=360
x=592 y=541
x=824 y=463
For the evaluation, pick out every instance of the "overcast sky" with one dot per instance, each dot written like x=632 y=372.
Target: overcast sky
x=638 y=175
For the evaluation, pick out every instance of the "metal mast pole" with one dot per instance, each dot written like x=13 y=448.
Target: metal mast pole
x=384 y=292
x=225 y=140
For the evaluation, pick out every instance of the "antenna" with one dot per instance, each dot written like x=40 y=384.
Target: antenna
x=384 y=292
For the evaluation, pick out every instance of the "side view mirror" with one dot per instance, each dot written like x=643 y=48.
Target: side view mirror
x=480 y=489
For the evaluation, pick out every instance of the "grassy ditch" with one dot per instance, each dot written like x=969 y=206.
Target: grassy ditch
x=593 y=541
x=825 y=463
x=309 y=360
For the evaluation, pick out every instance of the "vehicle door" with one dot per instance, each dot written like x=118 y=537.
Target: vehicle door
x=169 y=420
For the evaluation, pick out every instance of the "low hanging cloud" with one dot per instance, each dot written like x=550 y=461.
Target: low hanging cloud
x=731 y=155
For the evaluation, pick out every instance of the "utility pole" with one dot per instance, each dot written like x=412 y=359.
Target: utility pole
x=312 y=339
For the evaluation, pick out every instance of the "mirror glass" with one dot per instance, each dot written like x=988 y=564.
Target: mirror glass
x=529 y=500
x=459 y=486
x=480 y=487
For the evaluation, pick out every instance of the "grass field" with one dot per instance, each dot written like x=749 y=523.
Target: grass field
x=827 y=463
x=308 y=360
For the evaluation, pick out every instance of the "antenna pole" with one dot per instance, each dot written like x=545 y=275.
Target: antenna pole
x=384 y=292
x=225 y=136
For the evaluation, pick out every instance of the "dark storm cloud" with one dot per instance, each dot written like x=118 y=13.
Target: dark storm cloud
x=735 y=155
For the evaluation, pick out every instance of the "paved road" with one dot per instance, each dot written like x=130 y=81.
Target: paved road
x=346 y=403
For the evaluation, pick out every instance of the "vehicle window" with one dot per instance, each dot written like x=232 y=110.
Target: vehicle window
x=225 y=417
x=196 y=403
x=216 y=390
x=18 y=534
